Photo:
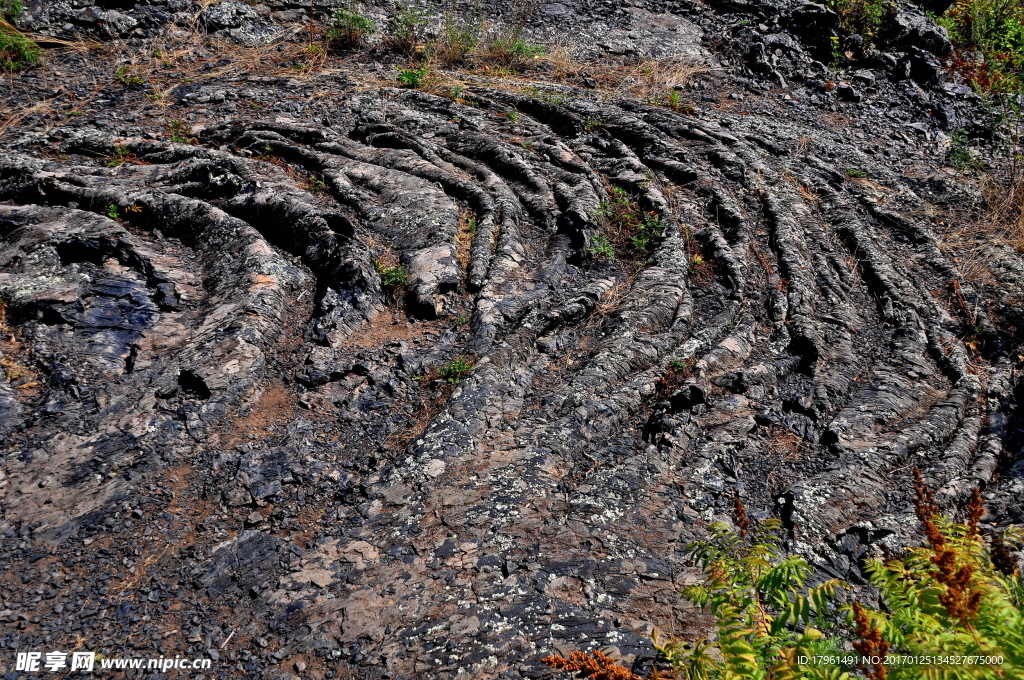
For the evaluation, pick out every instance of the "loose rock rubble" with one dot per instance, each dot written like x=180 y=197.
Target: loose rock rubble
x=230 y=437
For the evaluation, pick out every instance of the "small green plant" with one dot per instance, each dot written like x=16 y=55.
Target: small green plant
x=512 y=116
x=601 y=247
x=500 y=71
x=462 y=321
x=391 y=275
x=113 y=212
x=837 y=53
x=625 y=225
x=455 y=371
x=679 y=365
x=349 y=27
x=177 y=132
x=17 y=52
x=407 y=30
x=121 y=156
x=855 y=172
x=156 y=53
x=414 y=77
x=127 y=77
x=591 y=124
x=960 y=156
x=316 y=184
x=673 y=100
x=650 y=228
x=548 y=96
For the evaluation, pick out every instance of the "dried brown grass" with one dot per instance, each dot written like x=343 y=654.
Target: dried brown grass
x=1005 y=201
x=464 y=238
x=564 y=66
x=650 y=80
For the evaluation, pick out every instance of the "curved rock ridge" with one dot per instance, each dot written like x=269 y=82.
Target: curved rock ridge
x=242 y=437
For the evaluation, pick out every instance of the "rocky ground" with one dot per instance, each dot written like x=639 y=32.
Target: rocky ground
x=224 y=434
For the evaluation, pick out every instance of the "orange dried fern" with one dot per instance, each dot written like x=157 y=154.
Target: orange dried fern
x=596 y=666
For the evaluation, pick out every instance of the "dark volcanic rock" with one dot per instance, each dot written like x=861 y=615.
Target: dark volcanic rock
x=311 y=374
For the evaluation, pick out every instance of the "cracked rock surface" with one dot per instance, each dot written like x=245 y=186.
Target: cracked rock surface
x=230 y=436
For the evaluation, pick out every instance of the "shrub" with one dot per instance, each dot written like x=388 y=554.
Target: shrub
x=16 y=51
x=349 y=27
x=513 y=52
x=407 y=30
x=956 y=596
x=458 y=38
x=766 y=618
x=989 y=39
x=861 y=17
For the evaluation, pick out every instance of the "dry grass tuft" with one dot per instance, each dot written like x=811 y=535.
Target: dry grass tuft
x=564 y=65
x=1006 y=205
x=651 y=80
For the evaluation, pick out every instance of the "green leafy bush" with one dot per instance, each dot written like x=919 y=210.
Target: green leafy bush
x=957 y=596
x=407 y=30
x=862 y=17
x=458 y=38
x=766 y=618
x=988 y=36
x=349 y=27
